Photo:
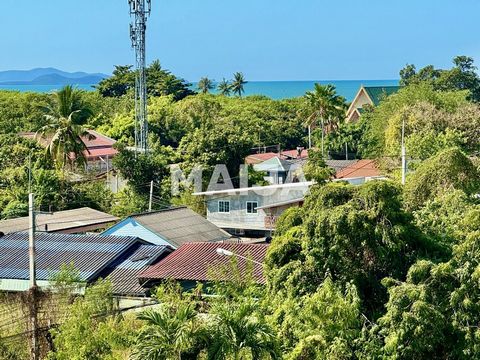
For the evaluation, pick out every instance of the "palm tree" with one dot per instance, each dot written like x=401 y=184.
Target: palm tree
x=224 y=87
x=237 y=333
x=237 y=83
x=205 y=85
x=170 y=332
x=64 y=132
x=324 y=105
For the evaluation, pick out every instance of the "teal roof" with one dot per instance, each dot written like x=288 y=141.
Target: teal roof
x=378 y=93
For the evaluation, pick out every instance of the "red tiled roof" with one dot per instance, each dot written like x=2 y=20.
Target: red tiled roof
x=362 y=168
x=192 y=261
x=100 y=146
x=284 y=155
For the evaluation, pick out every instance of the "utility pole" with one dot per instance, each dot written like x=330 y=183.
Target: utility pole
x=404 y=153
x=34 y=351
x=31 y=240
x=151 y=197
x=309 y=136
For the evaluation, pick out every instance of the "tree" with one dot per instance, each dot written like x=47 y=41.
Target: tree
x=325 y=106
x=90 y=330
x=316 y=169
x=65 y=134
x=462 y=76
x=205 y=85
x=356 y=234
x=168 y=333
x=237 y=332
x=237 y=84
x=160 y=82
x=224 y=87
x=448 y=170
x=121 y=81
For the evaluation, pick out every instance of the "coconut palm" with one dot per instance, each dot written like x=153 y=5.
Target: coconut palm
x=64 y=133
x=169 y=333
x=205 y=85
x=224 y=87
x=237 y=83
x=323 y=105
x=237 y=333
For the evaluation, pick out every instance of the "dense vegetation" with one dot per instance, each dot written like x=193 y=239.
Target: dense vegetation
x=378 y=271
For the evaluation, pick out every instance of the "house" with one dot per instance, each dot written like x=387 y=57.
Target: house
x=244 y=210
x=172 y=227
x=254 y=211
x=368 y=95
x=99 y=154
x=359 y=172
x=68 y=221
x=94 y=256
x=275 y=169
x=299 y=153
x=196 y=262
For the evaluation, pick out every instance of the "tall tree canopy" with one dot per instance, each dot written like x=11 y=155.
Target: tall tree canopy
x=462 y=76
x=159 y=82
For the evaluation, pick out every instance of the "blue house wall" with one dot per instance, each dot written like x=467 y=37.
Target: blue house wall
x=130 y=227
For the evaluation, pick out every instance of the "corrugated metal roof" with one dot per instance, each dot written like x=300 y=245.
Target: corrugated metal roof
x=60 y=221
x=180 y=225
x=192 y=261
x=89 y=254
x=124 y=271
x=378 y=93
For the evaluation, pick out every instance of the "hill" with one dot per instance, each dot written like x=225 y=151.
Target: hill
x=48 y=76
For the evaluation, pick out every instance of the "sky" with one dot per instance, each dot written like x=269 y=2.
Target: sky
x=265 y=39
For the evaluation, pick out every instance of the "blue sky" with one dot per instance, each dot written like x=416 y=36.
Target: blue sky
x=265 y=39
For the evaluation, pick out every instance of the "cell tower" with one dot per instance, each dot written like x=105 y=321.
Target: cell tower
x=140 y=9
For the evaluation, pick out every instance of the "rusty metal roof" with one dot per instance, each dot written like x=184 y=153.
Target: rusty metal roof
x=193 y=261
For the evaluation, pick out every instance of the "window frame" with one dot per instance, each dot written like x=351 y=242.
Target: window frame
x=254 y=209
x=224 y=202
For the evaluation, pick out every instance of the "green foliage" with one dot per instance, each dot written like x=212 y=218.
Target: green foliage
x=447 y=217
x=449 y=169
x=237 y=84
x=420 y=105
x=316 y=169
x=325 y=323
x=127 y=202
x=64 y=132
x=205 y=85
x=462 y=76
x=141 y=169
x=358 y=234
x=160 y=82
x=90 y=330
x=224 y=87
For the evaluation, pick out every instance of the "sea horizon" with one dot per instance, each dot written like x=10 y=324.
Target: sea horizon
x=275 y=89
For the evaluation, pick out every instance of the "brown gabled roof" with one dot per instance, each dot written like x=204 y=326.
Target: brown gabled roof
x=192 y=261
x=361 y=168
x=66 y=221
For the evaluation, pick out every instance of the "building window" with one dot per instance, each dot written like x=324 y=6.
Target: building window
x=252 y=207
x=224 y=206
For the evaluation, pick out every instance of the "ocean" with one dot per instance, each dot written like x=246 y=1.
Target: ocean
x=272 y=89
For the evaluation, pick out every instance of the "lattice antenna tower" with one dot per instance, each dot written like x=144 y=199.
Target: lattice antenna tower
x=140 y=10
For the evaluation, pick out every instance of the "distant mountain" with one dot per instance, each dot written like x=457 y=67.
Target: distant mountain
x=48 y=76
